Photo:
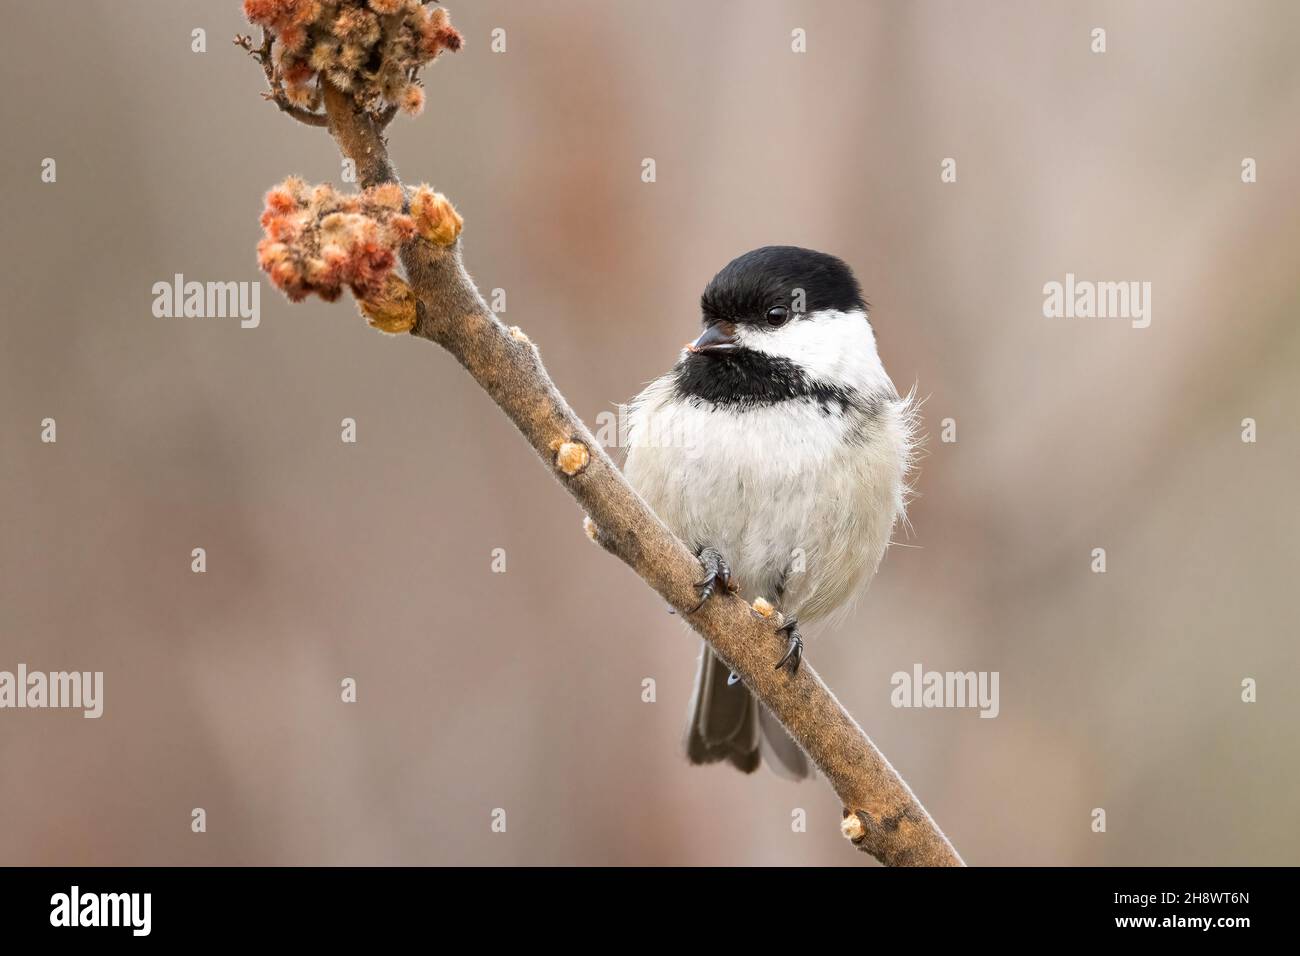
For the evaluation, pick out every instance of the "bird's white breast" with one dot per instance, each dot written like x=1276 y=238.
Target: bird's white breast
x=792 y=495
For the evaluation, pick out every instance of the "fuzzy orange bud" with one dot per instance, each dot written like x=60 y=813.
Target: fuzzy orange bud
x=852 y=827
x=412 y=100
x=392 y=308
x=571 y=457
x=280 y=200
x=388 y=195
x=437 y=34
x=293 y=38
x=435 y=217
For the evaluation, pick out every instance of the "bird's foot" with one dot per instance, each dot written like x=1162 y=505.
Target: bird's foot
x=716 y=572
x=793 y=648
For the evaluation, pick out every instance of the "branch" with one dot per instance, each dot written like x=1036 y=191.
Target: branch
x=358 y=137
x=276 y=93
x=882 y=817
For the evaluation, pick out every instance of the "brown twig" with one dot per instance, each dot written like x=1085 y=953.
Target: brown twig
x=882 y=816
x=276 y=93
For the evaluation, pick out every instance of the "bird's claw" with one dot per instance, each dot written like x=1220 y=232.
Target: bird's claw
x=716 y=571
x=793 y=648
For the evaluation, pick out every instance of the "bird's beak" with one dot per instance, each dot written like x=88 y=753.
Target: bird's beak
x=716 y=338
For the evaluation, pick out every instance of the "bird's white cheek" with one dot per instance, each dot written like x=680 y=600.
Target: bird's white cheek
x=831 y=346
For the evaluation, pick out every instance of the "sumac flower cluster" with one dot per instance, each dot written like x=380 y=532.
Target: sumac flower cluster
x=320 y=240
x=372 y=49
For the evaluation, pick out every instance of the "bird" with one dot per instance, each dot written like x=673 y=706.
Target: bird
x=778 y=449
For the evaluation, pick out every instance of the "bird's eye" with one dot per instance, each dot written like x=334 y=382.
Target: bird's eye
x=777 y=316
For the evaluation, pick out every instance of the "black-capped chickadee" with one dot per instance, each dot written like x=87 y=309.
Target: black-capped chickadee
x=778 y=449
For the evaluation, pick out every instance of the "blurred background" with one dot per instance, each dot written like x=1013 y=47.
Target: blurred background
x=522 y=690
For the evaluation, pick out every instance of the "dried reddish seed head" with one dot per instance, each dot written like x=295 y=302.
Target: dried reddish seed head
x=320 y=241
x=369 y=48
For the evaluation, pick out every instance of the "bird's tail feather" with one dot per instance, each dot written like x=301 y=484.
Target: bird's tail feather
x=727 y=723
x=724 y=718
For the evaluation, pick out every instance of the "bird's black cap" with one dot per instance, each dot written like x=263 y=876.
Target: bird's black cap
x=749 y=285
